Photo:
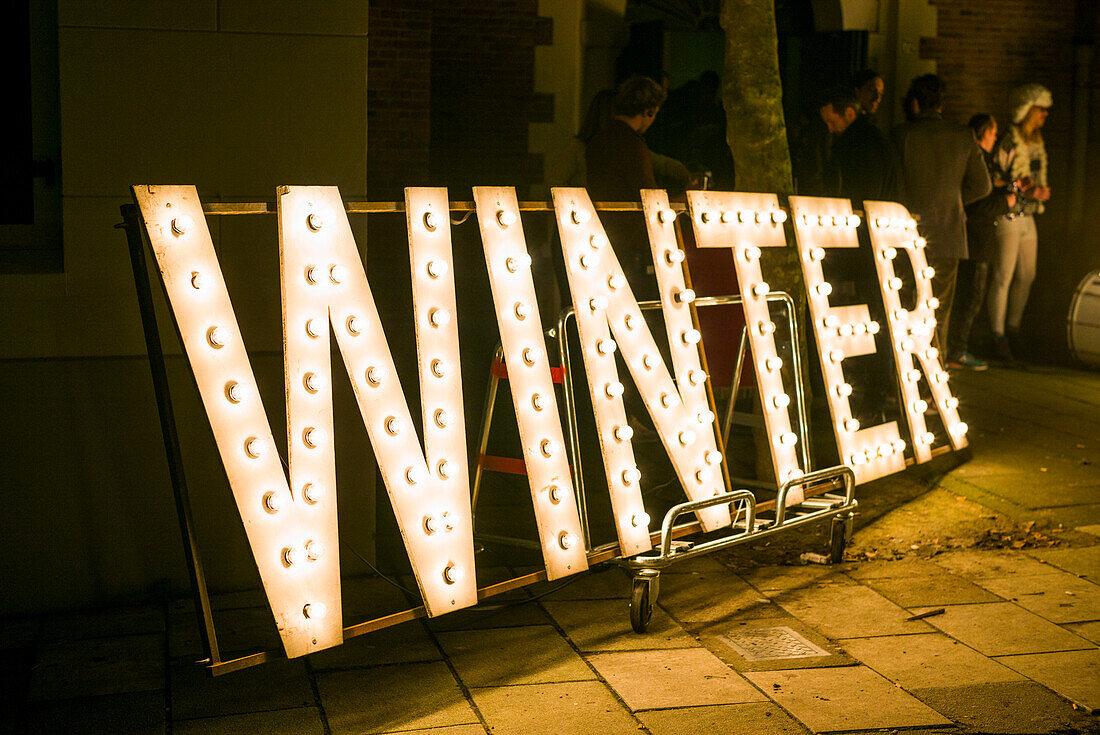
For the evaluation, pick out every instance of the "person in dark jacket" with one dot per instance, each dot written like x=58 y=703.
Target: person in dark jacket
x=981 y=223
x=862 y=163
x=943 y=171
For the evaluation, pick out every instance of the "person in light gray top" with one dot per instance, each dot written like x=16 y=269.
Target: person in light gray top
x=943 y=171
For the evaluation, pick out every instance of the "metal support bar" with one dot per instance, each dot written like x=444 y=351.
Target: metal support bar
x=135 y=238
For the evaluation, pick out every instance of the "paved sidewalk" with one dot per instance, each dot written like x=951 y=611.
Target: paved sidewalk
x=1009 y=645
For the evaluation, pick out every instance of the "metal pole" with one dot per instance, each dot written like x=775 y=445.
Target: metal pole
x=571 y=424
x=135 y=230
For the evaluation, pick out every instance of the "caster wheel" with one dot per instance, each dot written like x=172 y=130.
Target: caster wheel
x=641 y=605
x=838 y=539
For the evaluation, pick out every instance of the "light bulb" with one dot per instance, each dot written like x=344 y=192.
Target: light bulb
x=506 y=217
x=313 y=437
x=932 y=303
x=960 y=428
x=439 y=316
x=724 y=217
x=580 y=216
x=311 y=493
x=196 y=280
x=393 y=425
x=711 y=457
x=696 y=377
x=817 y=255
x=567 y=540
x=437 y=268
x=705 y=417
x=691 y=337
x=824 y=289
x=940 y=377
x=290 y=555
x=872 y=327
x=622 y=433
x=851 y=425
x=899 y=314
x=555 y=494
x=912 y=376
x=311 y=382
x=354 y=325
x=952 y=402
x=313 y=329
x=337 y=273
x=181 y=224
x=416 y=474
x=272 y=502
x=666 y=400
x=745 y=216
x=613 y=389
x=674 y=256
x=894 y=284
x=537 y=402
x=928 y=272
x=314 y=222
x=907 y=345
x=889 y=253
x=598 y=241
x=605 y=346
x=920 y=242
x=314 y=550
x=919 y=406
x=931 y=353
x=856 y=458
x=788 y=439
x=631 y=475
x=782 y=400
x=805 y=218
x=824 y=219
x=217 y=337
x=441 y=418
x=233 y=391
x=773 y=364
x=750 y=253
x=521 y=310
x=779 y=216
x=548 y=447
x=852 y=220
x=429 y=221
x=314 y=610
x=514 y=264
x=640 y=520
x=374 y=375
x=586 y=261
x=843 y=390
x=616 y=281
x=684 y=296
x=253 y=447
x=704 y=217
x=431 y=524
x=761 y=289
x=438 y=367
x=885 y=450
x=845 y=330
x=686 y=437
x=453 y=574
x=630 y=322
x=703 y=475
x=648 y=361
x=597 y=303
x=830 y=321
x=836 y=356
x=765 y=328
x=446 y=468
x=927 y=438
x=530 y=356
x=898 y=445
x=664 y=216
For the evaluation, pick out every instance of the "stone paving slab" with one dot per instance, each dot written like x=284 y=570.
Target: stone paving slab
x=404 y=643
x=769 y=579
x=844 y=698
x=844 y=609
x=496 y=612
x=1060 y=597
x=392 y=698
x=1014 y=707
x=510 y=656
x=606 y=583
x=275 y=685
x=1002 y=628
x=927 y=660
x=553 y=709
x=1073 y=674
x=102 y=624
x=1089 y=631
x=304 y=720
x=240 y=629
x=709 y=597
x=756 y=718
x=672 y=678
x=604 y=625
x=982 y=564
x=97 y=667
x=139 y=713
x=945 y=589
x=1082 y=561
x=907 y=568
x=1055 y=488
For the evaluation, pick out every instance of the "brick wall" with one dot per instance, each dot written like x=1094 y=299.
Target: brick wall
x=984 y=49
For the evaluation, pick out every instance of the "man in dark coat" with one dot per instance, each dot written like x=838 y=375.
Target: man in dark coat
x=943 y=171
x=862 y=163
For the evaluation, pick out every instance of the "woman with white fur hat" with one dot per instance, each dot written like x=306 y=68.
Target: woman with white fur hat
x=1022 y=159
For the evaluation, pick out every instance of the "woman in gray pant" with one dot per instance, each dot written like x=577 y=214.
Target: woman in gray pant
x=1022 y=159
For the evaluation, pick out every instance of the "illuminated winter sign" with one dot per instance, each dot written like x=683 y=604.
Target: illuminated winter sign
x=290 y=517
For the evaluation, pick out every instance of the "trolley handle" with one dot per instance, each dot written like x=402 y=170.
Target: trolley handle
x=693 y=505
x=844 y=472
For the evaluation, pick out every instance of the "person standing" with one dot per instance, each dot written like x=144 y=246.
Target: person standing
x=981 y=225
x=1021 y=158
x=942 y=170
x=862 y=163
x=869 y=89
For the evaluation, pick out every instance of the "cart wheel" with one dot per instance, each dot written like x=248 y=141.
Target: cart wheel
x=641 y=605
x=838 y=538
